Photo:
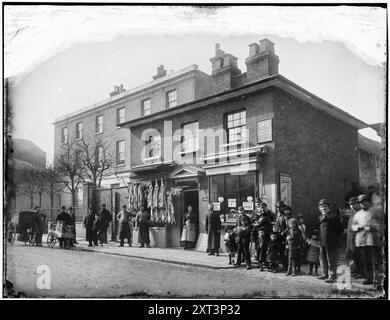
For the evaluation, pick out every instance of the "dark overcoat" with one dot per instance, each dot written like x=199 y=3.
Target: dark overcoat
x=88 y=224
x=213 y=228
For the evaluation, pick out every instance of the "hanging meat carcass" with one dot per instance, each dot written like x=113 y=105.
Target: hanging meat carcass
x=170 y=209
x=140 y=195
x=150 y=200
x=162 y=203
x=155 y=201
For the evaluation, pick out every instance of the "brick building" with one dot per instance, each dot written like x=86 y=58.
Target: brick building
x=258 y=135
x=226 y=138
x=101 y=120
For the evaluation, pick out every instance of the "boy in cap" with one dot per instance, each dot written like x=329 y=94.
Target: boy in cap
x=243 y=234
x=330 y=231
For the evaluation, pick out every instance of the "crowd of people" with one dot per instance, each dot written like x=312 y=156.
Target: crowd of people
x=282 y=243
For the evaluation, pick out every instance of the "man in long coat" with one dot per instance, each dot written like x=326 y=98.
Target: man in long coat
x=124 y=219
x=88 y=224
x=105 y=219
x=213 y=229
x=142 y=222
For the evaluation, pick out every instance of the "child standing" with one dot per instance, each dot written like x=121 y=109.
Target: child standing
x=243 y=234
x=294 y=243
x=273 y=253
x=313 y=253
x=262 y=249
x=302 y=229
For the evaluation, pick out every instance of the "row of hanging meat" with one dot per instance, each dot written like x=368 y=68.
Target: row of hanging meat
x=158 y=200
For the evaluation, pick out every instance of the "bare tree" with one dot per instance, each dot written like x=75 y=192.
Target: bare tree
x=26 y=181
x=52 y=184
x=97 y=159
x=70 y=168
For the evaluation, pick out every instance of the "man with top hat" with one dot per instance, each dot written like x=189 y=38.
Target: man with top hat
x=330 y=231
x=365 y=239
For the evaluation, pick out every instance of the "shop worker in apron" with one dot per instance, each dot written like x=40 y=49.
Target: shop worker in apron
x=142 y=222
x=213 y=229
x=189 y=228
x=124 y=218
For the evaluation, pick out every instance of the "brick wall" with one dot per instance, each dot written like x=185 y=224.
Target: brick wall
x=318 y=151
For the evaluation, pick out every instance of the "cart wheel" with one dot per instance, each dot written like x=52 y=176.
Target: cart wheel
x=51 y=240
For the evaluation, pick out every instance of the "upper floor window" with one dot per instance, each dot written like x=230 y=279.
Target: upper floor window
x=172 y=98
x=64 y=135
x=120 y=152
x=120 y=115
x=236 y=126
x=99 y=154
x=153 y=146
x=79 y=130
x=78 y=154
x=190 y=137
x=146 y=107
x=99 y=124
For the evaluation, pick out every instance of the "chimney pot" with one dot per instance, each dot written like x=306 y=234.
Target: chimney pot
x=266 y=46
x=161 y=72
x=254 y=49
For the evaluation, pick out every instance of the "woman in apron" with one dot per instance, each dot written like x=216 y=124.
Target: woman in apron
x=189 y=229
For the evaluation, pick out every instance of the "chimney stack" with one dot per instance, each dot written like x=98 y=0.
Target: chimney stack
x=117 y=90
x=161 y=72
x=262 y=61
x=224 y=68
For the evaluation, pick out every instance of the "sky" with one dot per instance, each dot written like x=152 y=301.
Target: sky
x=74 y=69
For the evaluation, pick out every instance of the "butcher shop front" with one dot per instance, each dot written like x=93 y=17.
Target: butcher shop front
x=168 y=189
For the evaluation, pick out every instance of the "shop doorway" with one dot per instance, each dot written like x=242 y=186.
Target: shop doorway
x=191 y=197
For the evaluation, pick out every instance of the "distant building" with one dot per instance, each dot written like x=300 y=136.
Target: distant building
x=24 y=154
x=369 y=162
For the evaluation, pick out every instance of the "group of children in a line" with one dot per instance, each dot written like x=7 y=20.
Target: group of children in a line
x=289 y=248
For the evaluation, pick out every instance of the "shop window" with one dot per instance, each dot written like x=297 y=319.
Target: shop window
x=233 y=188
x=172 y=98
x=236 y=126
x=146 y=107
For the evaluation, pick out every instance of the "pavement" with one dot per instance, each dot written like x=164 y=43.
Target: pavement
x=169 y=255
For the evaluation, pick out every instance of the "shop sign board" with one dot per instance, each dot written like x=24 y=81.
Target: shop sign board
x=247 y=205
x=217 y=206
x=264 y=131
x=232 y=203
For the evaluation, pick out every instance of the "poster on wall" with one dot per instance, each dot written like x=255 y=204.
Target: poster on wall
x=217 y=206
x=247 y=205
x=286 y=189
x=232 y=203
